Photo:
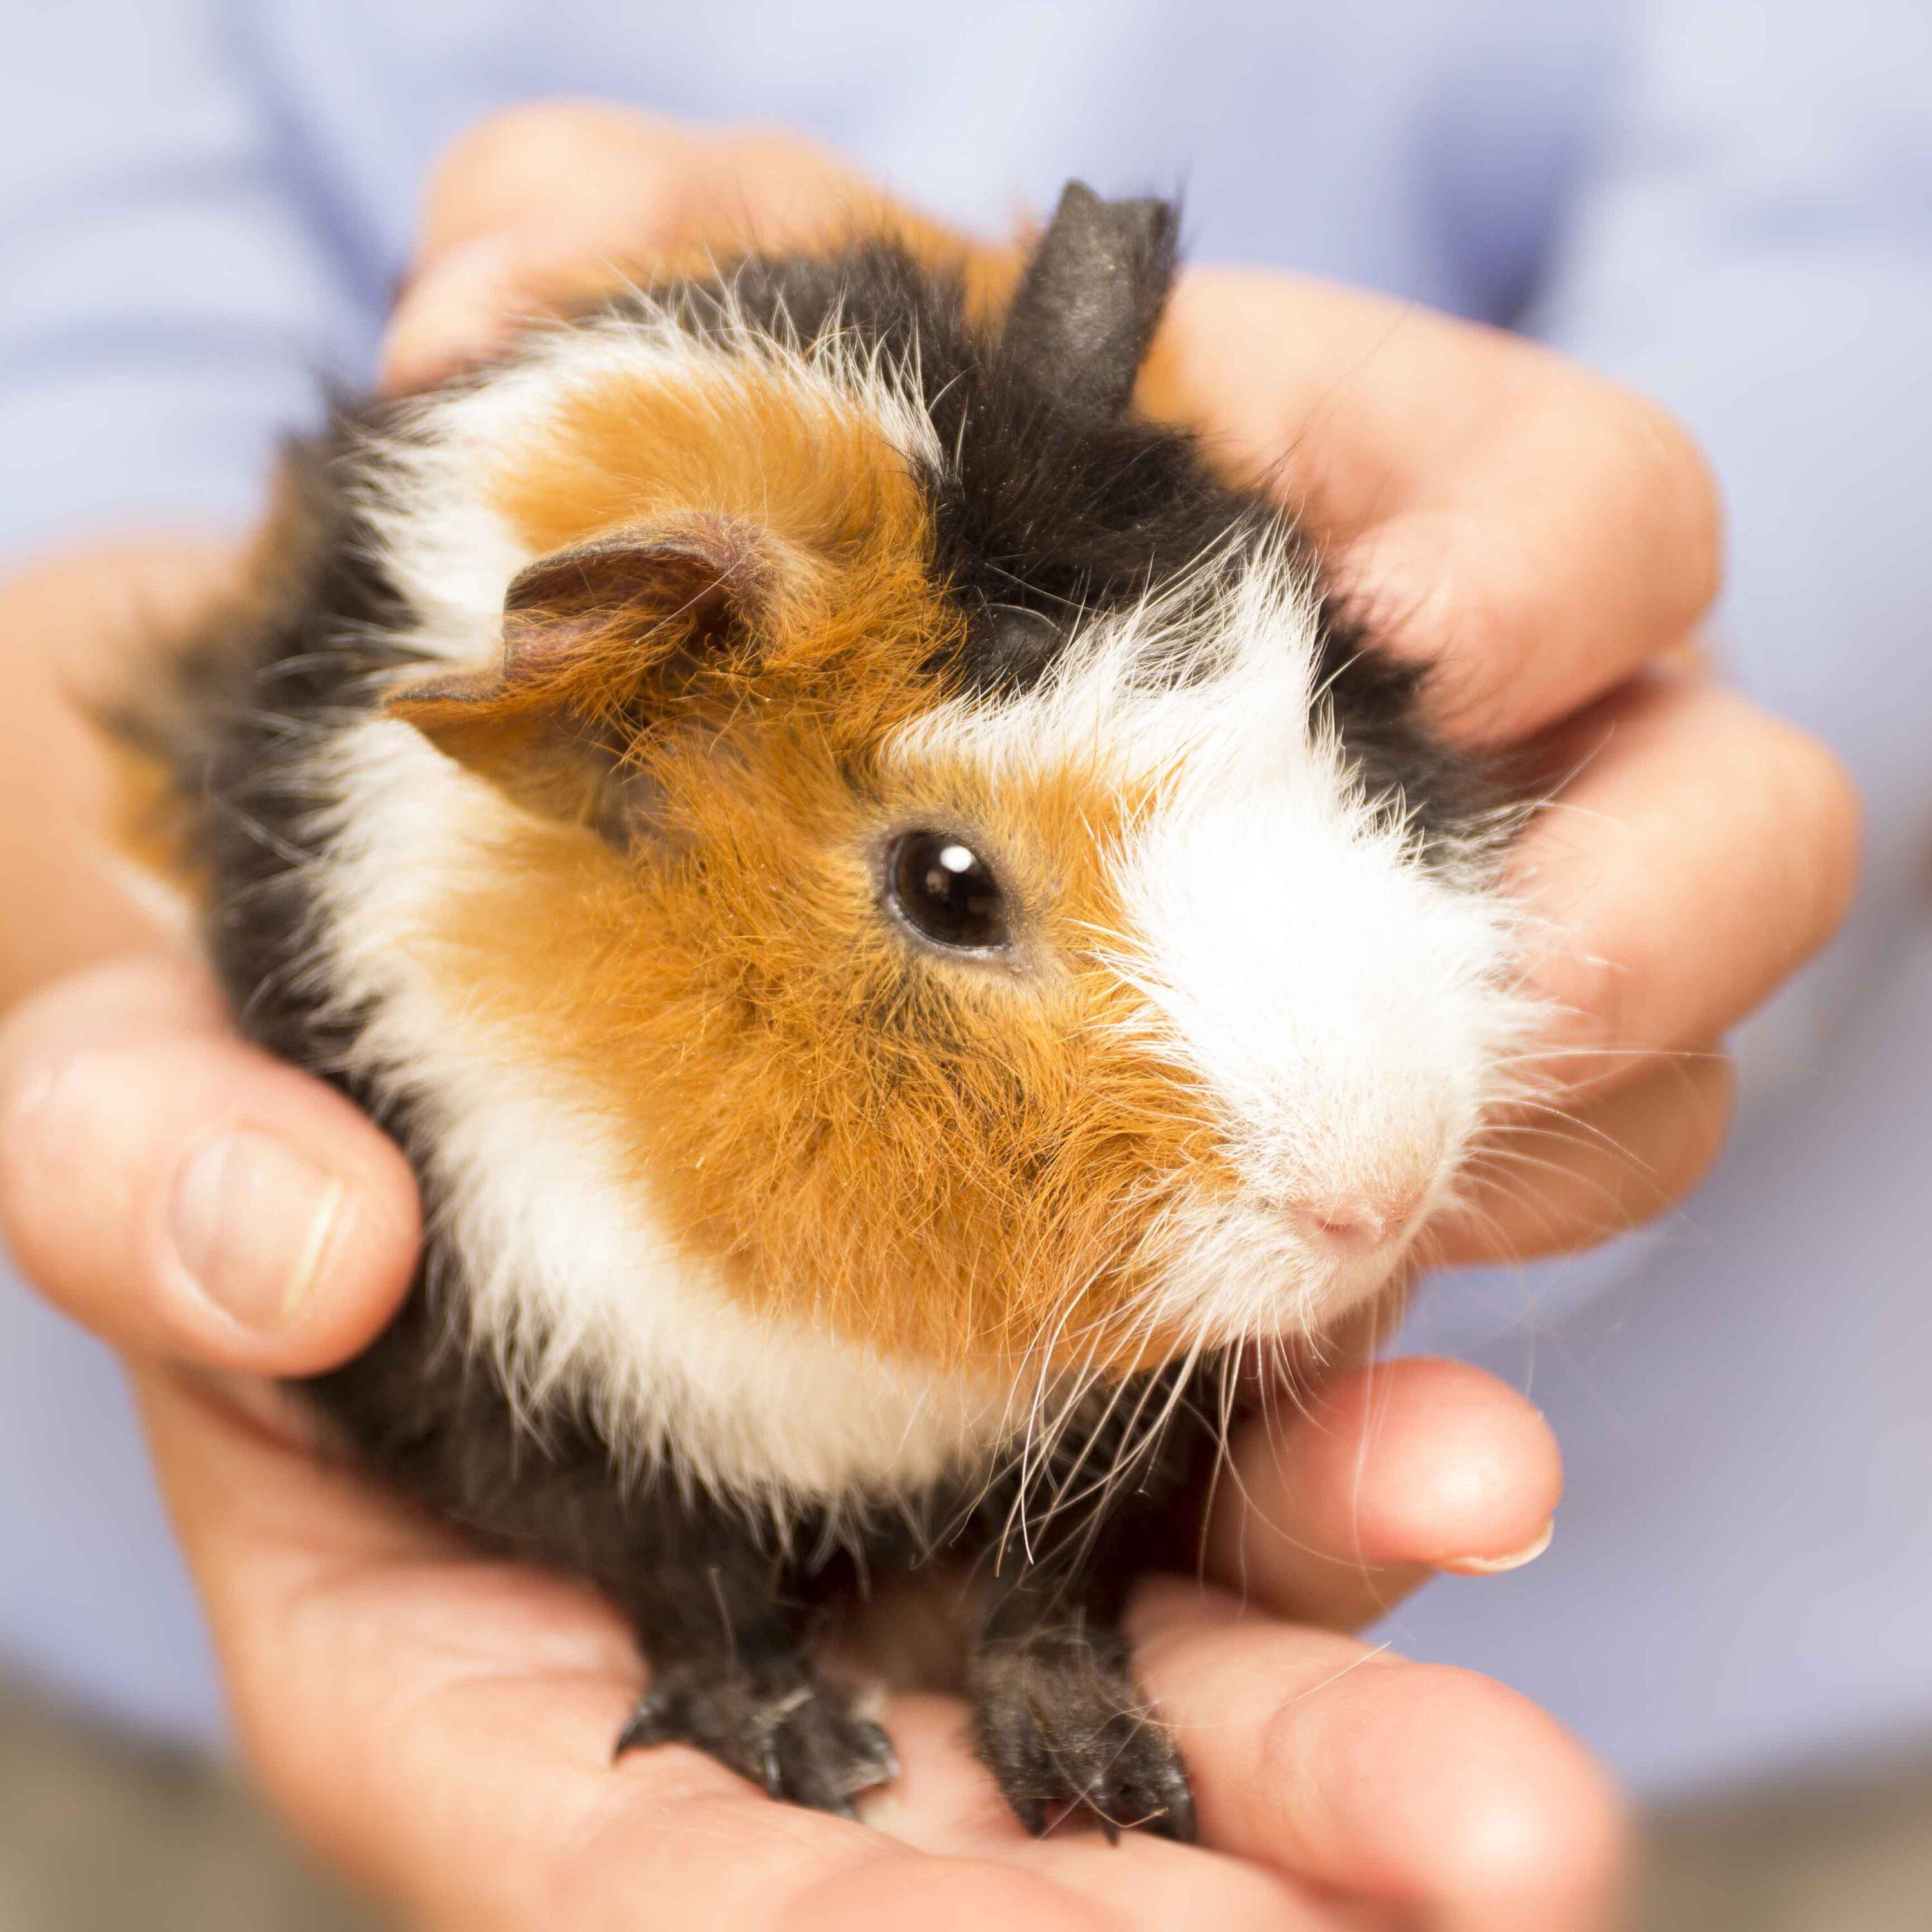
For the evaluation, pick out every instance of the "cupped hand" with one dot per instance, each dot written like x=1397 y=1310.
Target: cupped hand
x=439 y=1723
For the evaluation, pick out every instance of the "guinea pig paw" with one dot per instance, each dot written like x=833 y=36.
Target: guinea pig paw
x=1066 y=1732
x=773 y=1722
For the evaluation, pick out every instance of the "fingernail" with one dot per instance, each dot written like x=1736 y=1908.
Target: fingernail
x=1495 y=1566
x=252 y=1223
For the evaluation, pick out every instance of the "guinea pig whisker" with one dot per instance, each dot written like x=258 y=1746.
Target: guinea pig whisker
x=1561 y=1126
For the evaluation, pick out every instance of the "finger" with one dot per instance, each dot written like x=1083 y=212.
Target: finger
x=441 y=1725
x=546 y=206
x=1530 y=529
x=1703 y=850
x=632 y=177
x=1331 y=1510
x=181 y=1193
x=1334 y=1510
x=1551 y=1184
x=529 y=209
x=945 y=1801
x=1433 y=1789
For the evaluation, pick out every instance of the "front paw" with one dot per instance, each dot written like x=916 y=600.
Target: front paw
x=1064 y=1730
x=773 y=1722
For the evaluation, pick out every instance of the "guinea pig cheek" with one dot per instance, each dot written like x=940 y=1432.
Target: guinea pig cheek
x=1063 y=1136
x=1345 y=1025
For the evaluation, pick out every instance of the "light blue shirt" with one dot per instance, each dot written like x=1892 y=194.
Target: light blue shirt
x=204 y=205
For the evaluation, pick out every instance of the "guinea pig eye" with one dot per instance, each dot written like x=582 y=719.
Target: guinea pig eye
x=946 y=892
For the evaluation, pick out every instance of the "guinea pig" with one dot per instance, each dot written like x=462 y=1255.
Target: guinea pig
x=902 y=931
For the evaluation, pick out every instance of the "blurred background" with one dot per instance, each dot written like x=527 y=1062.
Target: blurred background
x=206 y=204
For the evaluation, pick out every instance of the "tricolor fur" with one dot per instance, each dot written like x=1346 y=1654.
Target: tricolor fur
x=541 y=799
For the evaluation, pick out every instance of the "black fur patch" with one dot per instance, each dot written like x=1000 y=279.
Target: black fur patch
x=1086 y=309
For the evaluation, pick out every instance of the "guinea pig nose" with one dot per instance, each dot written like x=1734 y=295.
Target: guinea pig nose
x=1347 y=1228
x=1358 y=1224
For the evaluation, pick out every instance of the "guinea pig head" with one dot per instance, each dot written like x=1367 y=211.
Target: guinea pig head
x=1089 y=1013
x=1097 y=1022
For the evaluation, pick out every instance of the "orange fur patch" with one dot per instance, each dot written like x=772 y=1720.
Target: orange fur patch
x=654 y=444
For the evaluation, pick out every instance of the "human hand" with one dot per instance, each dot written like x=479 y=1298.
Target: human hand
x=439 y=1722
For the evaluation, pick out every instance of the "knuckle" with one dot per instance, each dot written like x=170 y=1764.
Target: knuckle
x=556 y=146
x=1668 y=1129
x=1681 y=475
x=115 y=998
x=1594 y=1004
x=498 y=140
x=1682 y=468
x=1339 y=1729
x=1657 y=464
x=1818 y=822
x=1701 y=1095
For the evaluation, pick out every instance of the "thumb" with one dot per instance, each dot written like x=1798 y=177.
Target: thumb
x=182 y=1194
x=551 y=205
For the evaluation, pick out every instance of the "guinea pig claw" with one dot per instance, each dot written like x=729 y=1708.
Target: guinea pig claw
x=775 y=1724
x=1108 y=1826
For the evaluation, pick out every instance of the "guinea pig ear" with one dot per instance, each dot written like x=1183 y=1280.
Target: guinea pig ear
x=597 y=639
x=1091 y=297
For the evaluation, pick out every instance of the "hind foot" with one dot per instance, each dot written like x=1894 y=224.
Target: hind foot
x=1063 y=1728
x=773 y=1722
